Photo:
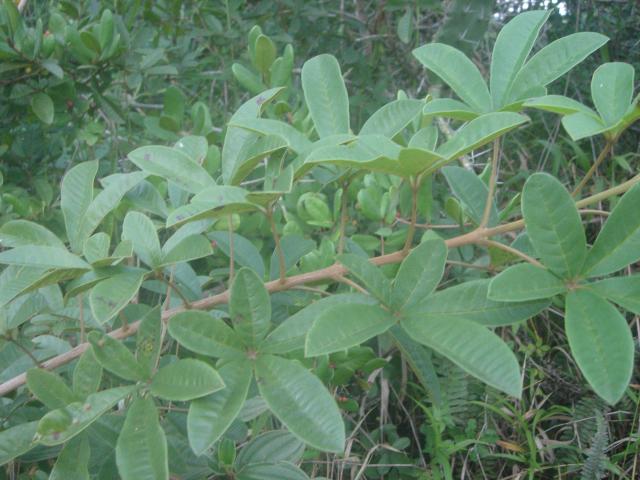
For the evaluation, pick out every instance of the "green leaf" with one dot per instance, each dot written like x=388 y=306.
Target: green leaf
x=76 y=196
x=478 y=132
x=189 y=248
x=49 y=388
x=87 y=374
x=79 y=415
x=141 y=451
x=236 y=138
x=174 y=165
x=601 y=343
x=612 y=90
x=244 y=252
x=559 y=104
x=110 y=296
x=209 y=417
x=420 y=272
x=392 y=118
x=96 y=248
x=471 y=346
x=184 y=380
x=553 y=61
x=368 y=275
x=42 y=106
x=554 y=225
x=457 y=71
x=469 y=301
x=512 y=47
x=618 y=243
x=115 y=357
x=264 y=53
x=27 y=279
x=212 y=203
x=149 y=339
x=250 y=307
x=117 y=186
x=326 y=95
x=582 y=125
x=295 y=140
x=472 y=192
x=16 y=440
x=625 y=291
x=523 y=282
x=343 y=326
x=43 y=257
x=19 y=233
x=141 y=231
x=449 y=108
x=269 y=471
x=274 y=446
x=201 y=333
x=73 y=460
x=248 y=79
x=290 y=335
x=301 y=402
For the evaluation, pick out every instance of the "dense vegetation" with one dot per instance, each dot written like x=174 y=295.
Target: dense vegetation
x=291 y=239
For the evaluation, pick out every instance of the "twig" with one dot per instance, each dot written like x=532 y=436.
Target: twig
x=513 y=251
x=415 y=186
x=323 y=274
x=493 y=179
x=603 y=155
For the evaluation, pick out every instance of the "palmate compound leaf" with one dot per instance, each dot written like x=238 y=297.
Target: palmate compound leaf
x=524 y=282
x=342 y=326
x=185 y=379
x=618 y=243
x=601 y=343
x=326 y=95
x=554 y=225
x=141 y=450
x=301 y=402
x=210 y=416
x=471 y=346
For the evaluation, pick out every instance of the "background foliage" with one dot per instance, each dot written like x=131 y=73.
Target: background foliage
x=91 y=80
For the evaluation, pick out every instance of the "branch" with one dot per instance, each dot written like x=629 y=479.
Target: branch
x=328 y=273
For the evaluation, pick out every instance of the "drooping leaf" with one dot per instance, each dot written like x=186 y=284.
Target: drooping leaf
x=457 y=71
x=559 y=104
x=343 y=326
x=553 y=61
x=392 y=118
x=185 y=379
x=201 y=333
x=250 y=307
x=471 y=346
x=326 y=95
x=420 y=272
x=49 y=388
x=368 y=275
x=523 y=282
x=612 y=90
x=290 y=335
x=174 y=165
x=115 y=357
x=512 y=47
x=582 y=125
x=449 y=108
x=618 y=243
x=469 y=301
x=110 y=296
x=301 y=402
x=141 y=451
x=601 y=343
x=472 y=192
x=554 y=225
x=625 y=291
x=210 y=416
x=59 y=426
